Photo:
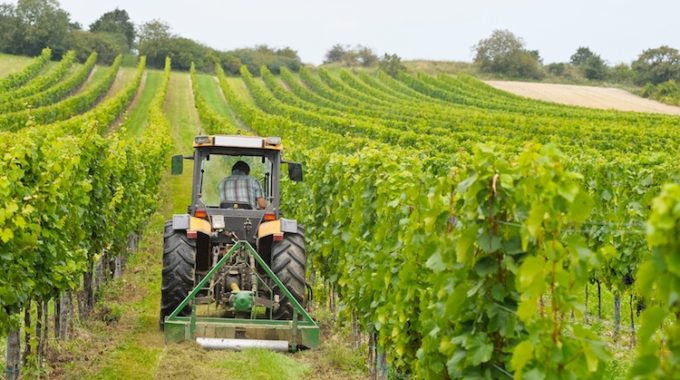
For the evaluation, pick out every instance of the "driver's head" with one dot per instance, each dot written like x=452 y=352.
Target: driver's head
x=240 y=167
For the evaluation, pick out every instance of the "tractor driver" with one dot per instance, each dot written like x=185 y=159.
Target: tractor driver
x=240 y=187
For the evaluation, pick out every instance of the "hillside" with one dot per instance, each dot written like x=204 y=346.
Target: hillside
x=452 y=229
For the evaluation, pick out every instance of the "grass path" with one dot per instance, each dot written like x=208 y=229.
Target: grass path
x=12 y=63
x=240 y=89
x=136 y=116
x=209 y=87
x=123 y=77
x=93 y=78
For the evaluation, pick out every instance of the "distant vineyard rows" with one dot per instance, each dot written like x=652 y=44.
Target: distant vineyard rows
x=71 y=187
x=458 y=223
x=463 y=223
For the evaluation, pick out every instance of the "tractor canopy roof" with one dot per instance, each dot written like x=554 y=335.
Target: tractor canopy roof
x=238 y=141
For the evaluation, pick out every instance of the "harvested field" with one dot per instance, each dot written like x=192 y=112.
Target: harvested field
x=586 y=96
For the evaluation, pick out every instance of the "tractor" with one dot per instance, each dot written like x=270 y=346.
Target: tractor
x=233 y=270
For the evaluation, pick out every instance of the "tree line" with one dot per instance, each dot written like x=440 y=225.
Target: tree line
x=505 y=53
x=363 y=56
x=31 y=25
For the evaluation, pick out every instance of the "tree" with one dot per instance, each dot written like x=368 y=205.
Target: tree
x=536 y=54
x=287 y=52
x=359 y=55
x=622 y=73
x=116 y=21
x=523 y=64
x=591 y=65
x=557 y=69
x=107 y=45
x=391 y=64
x=154 y=42
x=657 y=65
x=230 y=63
x=581 y=55
x=261 y=55
x=594 y=68
x=492 y=52
x=335 y=54
x=504 y=53
x=366 y=56
x=154 y=30
x=43 y=24
x=11 y=30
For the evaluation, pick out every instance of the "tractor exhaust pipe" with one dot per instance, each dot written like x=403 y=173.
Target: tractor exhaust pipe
x=242 y=344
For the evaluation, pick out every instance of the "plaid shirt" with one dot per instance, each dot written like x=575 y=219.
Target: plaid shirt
x=240 y=188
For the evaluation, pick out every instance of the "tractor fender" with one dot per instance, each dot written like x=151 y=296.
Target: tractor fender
x=277 y=227
x=188 y=222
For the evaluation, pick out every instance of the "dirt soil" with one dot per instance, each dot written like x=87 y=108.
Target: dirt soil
x=586 y=96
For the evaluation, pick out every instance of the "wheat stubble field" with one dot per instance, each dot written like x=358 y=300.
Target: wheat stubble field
x=585 y=96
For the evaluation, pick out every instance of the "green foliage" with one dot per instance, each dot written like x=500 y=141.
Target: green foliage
x=391 y=64
x=558 y=69
x=116 y=21
x=657 y=65
x=591 y=65
x=15 y=80
x=107 y=45
x=513 y=252
x=41 y=82
x=666 y=92
x=581 y=56
x=69 y=192
x=351 y=56
x=157 y=41
x=336 y=53
x=61 y=110
x=154 y=41
x=262 y=55
x=36 y=98
x=33 y=24
x=10 y=29
x=408 y=224
x=594 y=68
x=504 y=53
x=659 y=279
x=41 y=23
x=622 y=73
x=212 y=121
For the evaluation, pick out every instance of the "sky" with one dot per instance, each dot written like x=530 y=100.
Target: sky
x=618 y=30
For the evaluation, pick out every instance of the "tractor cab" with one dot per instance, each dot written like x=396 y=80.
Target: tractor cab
x=214 y=158
x=233 y=267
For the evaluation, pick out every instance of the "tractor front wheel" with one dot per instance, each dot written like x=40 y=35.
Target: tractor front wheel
x=288 y=264
x=178 y=271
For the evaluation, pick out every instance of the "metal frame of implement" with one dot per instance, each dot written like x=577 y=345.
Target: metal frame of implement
x=298 y=333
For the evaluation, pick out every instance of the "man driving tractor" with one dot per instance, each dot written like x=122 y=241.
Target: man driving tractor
x=242 y=189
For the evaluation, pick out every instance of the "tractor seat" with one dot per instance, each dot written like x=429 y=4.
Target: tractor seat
x=239 y=205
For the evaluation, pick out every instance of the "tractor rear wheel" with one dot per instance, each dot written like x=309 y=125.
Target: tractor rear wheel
x=178 y=271
x=289 y=264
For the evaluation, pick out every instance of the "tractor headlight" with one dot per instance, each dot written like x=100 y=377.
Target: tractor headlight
x=201 y=140
x=217 y=222
x=273 y=140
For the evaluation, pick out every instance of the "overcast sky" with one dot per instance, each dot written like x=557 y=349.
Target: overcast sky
x=618 y=30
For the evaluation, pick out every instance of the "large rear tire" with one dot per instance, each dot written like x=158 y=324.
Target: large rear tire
x=178 y=271
x=289 y=264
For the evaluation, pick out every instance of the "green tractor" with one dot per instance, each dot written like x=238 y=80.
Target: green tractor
x=233 y=268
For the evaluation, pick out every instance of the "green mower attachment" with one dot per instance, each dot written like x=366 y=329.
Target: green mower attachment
x=216 y=332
